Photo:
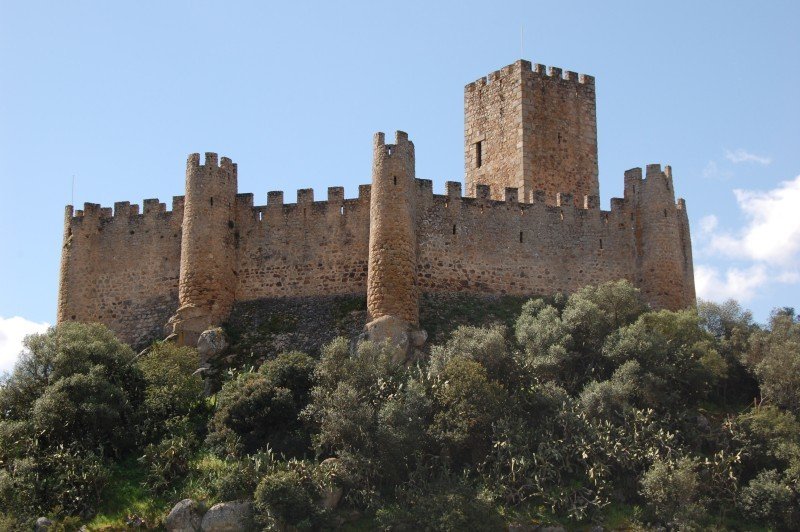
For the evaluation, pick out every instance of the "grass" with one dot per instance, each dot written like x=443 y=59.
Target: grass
x=126 y=496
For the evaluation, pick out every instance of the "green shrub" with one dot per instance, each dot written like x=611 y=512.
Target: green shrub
x=441 y=506
x=487 y=346
x=768 y=498
x=86 y=408
x=672 y=491
x=467 y=403
x=173 y=402
x=287 y=498
x=774 y=357
x=238 y=478
x=252 y=414
x=61 y=481
x=293 y=371
x=167 y=463
x=260 y=410
x=76 y=385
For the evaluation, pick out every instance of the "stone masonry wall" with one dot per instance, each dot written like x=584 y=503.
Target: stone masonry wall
x=537 y=130
x=493 y=120
x=479 y=245
x=122 y=269
x=303 y=249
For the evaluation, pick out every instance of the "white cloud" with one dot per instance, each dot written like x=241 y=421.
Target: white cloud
x=772 y=232
x=735 y=283
x=713 y=171
x=12 y=332
x=708 y=224
x=743 y=156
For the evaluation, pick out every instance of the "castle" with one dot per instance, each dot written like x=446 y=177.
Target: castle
x=528 y=223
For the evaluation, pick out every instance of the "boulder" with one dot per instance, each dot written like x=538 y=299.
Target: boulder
x=211 y=343
x=332 y=494
x=397 y=332
x=229 y=517
x=184 y=517
x=43 y=524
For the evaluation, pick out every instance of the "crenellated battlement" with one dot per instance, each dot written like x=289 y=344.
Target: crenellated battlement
x=538 y=70
x=125 y=210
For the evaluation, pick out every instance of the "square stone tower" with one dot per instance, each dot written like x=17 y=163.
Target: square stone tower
x=532 y=128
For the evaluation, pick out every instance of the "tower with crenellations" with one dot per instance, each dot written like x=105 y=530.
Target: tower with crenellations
x=528 y=223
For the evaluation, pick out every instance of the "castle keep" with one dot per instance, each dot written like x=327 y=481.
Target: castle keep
x=528 y=223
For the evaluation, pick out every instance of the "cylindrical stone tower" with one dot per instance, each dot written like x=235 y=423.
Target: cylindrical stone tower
x=664 y=267
x=207 y=275
x=391 y=281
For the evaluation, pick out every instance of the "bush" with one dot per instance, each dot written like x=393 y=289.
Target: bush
x=75 y=383
x=167 y=463
x=467 y=403
x=62 y=481
x=774 y=357
x=287 y=498
x=293 y=371
x=768 y=498
x=442 y=506
x=237 y=479
x=485 y=346
x=88 y=409
x=173 y=399
x=252 y=415
x=672 y=491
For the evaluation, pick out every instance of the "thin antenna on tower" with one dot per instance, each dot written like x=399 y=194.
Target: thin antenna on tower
x=72 y=200
x=522 y=41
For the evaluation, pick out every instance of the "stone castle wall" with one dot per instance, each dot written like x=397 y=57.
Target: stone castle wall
x=122 y=269
x=529 y=224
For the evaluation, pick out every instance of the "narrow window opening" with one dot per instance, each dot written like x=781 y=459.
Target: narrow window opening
x=395 y=180
x=562 y=214
x=389 y=150
x=260 y=216
x=341 y=210
x=520 y=237
x=665 y=213
x=446 y=204
x=559 y=138
x=478 y=154
x=304 y=212
x=601 y=243
x=454 y=228
x=211 y=200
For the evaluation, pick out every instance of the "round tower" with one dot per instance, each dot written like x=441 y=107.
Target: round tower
x=392 y=296
x=208 y=273
x=664 y=267
x=62 y=312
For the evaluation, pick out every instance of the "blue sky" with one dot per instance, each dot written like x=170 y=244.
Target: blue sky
x=118 y=93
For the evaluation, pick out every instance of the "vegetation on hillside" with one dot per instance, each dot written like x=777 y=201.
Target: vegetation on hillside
x=591 y=408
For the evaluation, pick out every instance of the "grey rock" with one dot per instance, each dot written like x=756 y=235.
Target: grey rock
x=211 y=343
x=229 y=517
x=184 y=517
x=418 y=337
x=43 y=524
x=333 y=494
